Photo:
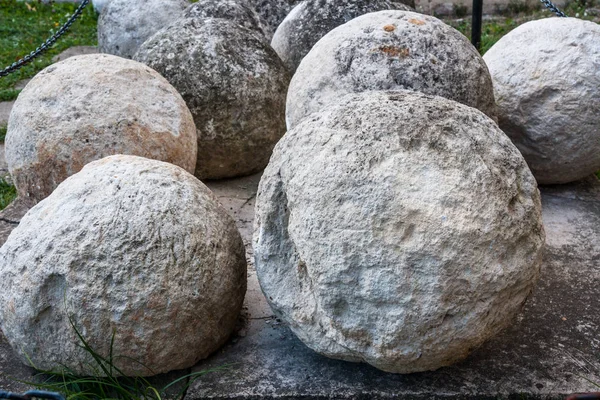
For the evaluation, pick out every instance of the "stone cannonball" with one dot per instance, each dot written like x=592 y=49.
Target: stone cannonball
x=546 y=76
x=312 y=19
x=272 y=12
x=233 y=83
x=89 y=107
x=390 y=50
x=397 y=229
x=238 y=11
x=128 y=245
x=125 y=24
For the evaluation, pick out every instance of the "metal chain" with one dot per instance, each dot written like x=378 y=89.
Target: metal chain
x=32 y=394
x=553 y=8
x=47 y=44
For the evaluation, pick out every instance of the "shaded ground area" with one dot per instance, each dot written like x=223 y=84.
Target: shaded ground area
x=552 y=349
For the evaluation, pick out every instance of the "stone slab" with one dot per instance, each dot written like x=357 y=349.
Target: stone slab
x=551 y=350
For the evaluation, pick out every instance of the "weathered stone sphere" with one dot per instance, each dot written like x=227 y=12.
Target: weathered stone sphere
x=125 y=24
x=397 y=229
x=89 y=107
x=390 y=50
x=546 y=76
x=233 y=83
x=272 y=12
x=238 y=11
x=310 y=20
x=131 y=245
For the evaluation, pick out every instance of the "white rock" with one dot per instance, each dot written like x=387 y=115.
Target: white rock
x=310 y=20
x=131 y=245
x=89 y=107
x=99 y=5
x=235 y=86
x=125 y=24
x=390 y=50
x=238 y=11
x=546 y=76
x=397 y=229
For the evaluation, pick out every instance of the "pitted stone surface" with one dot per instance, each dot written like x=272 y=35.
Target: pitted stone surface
x=397 y=229
x=238 y=11
x=310 y=20
x=546 y=77
x=272 y=12
x=235 y=86
x=131 y=245
x=64 y=119
x=125 y=24
x=390 y=50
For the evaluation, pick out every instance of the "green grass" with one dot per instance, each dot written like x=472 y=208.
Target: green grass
x=26 y=25
x=110 y=382
x=2 y=133
x=7 y=193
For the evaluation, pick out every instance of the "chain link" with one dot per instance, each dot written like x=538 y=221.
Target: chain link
x=47 y=44
x=32 y=394
x=553 y=8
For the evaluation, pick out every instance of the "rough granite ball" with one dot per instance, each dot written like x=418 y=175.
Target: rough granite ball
x=546 y=76
x=390 y=50
x=235 y=86
x=310 y=20
x=89 y=107
x=131 y=245
x=272 y=12
x=397 y=229
x=238 y=11
x=125 y=24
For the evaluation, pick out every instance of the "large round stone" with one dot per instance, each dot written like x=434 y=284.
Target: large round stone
x=128 y=245
x=390 y=50
x=310 y=20
x=238 y=11
x=125 y=24
x=546 y=77
x=89 y=107
x=397 y=229
x=235 y=86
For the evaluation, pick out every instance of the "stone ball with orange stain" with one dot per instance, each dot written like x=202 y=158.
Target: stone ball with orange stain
x=390 y=50
x=89 y=107
x=234 y=84
x=128 y=245
x=310 y=20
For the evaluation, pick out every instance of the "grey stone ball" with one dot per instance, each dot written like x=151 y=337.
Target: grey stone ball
x=397 y=229
x=272 y=12
x=235 y=86
x=88 y=107
x=125 y=24
x=390 y=50
x=128 y=245
x=238 y=11
x=310 y=20
x=546 y=76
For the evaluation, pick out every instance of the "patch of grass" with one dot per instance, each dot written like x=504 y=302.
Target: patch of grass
x=491 y=31
x=2 y=133
x=113 y=384
x=7 y=193
x=26 y=25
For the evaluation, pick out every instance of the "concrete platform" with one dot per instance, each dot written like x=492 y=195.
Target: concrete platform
x=551 y=350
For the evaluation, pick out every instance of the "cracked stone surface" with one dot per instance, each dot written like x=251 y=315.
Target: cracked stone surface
x=548 y=352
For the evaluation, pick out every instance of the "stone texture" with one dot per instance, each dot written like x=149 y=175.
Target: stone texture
x=75 y=51
x=390 y=50
x=546 y=79
x=131 y=245
x=64 y=119
x=272 y=12
x=310 y=20
x=99 y=5
x=235 y=86
x=397 y=229
x=125 y=24
x=238 y=11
